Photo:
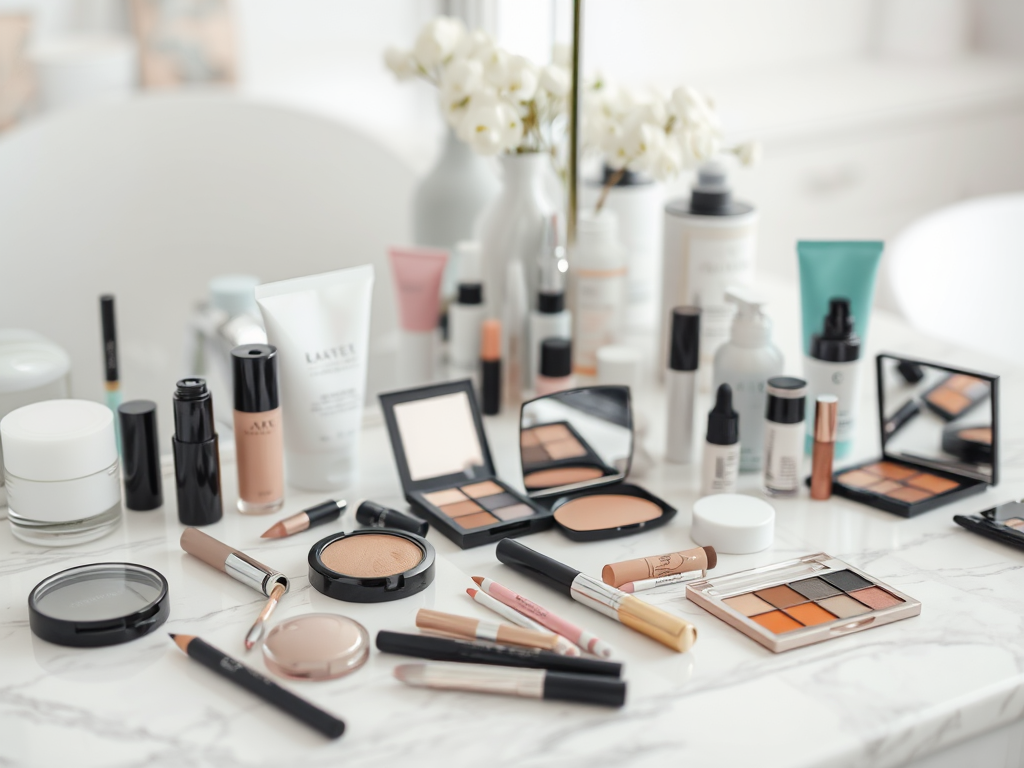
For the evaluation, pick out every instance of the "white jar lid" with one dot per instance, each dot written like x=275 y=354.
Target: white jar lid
x=29 y=361
x=619 y=364
x=733 y=524
x=58 y=440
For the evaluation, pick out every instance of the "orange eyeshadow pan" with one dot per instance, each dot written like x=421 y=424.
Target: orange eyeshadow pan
x=565 y=449
x=858 y=478
x=486 y=488
x=777 y=622
x=810 y=614
x=551 y=432
x=462 y=508
x=885 y=486
x=910 y=495
x=890 y=470
x=476 y=521
x=949 y=400
x=932 y=483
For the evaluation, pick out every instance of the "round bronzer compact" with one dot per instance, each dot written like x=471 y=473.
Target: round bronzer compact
x=371 y=566
x=316 y=646
x=576 y=448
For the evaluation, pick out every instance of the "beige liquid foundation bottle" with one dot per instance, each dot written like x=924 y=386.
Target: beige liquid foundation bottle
x=259 y=441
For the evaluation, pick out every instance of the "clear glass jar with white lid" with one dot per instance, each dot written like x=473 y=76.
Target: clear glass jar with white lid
x=61 y=471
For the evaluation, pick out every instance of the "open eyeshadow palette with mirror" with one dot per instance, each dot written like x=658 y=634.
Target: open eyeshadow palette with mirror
x=799 y=602
x=576 y=448
x=444 y=462
x=939 y=434
x=1004 y=523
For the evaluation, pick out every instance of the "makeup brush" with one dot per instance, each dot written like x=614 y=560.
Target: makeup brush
x=306 y=519
x=256 y=632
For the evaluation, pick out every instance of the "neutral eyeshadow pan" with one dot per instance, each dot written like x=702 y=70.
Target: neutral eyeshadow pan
x=477 y=520
x=847 y=581
x=440 y=498
x=552 y=478
x=565 y=449
x=466 y=507
x=932 y=483
x=372 y=555
x=748 y=604
x=876 y=597
x=844 y=606
x=815 y=589
x=781 y=596
x=486 y=488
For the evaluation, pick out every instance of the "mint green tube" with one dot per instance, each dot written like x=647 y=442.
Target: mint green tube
x=833 y=271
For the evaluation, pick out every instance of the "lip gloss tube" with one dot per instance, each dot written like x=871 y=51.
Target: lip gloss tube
x=825 y=416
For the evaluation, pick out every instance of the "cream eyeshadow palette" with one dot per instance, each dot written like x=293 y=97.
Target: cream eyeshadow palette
x=800 y=602
x=437 y=436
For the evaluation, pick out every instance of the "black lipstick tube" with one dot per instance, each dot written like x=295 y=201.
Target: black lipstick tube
x=196 y=454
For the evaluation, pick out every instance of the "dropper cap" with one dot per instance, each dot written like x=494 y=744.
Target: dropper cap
x=551 y=262
x=723 y=421
x=838 y=343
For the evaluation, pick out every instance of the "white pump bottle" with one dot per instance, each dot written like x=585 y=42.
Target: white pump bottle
x=745 y=363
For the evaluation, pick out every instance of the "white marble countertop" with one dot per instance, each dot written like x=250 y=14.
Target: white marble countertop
x=876 y=698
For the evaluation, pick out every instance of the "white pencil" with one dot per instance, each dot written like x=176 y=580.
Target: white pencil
x=675 y=578
x=564 y=646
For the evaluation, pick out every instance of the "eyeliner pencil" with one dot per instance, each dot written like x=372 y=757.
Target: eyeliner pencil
x=254 y=682
x=112 y=383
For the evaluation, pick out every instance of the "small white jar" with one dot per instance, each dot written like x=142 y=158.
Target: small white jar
x=61 y=472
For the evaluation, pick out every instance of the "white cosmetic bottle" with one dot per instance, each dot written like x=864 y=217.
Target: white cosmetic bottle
x=833 y=368
x=466 y=313
x=746 y=363
x=784 y=435
x=681 y=383
x=549 y=319
x=599 y=272
x=722 y=450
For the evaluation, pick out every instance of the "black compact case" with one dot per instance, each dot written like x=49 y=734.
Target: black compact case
x=1004 y=523
x=587 y=436
x=926 y=462
x=371 y=589
x=444 y=462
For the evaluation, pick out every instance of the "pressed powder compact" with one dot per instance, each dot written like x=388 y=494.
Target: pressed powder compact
x=316 y=646
x=371 y=565
x=800 y=602
x=933 y=453
x=443 y=459
x=576 y=448
x=98 y=604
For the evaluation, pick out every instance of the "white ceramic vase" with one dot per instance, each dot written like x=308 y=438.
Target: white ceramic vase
x=449 y=200
x=512 y=227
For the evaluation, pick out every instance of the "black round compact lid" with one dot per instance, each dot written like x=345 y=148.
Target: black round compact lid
x=98 y=604
x=370 y=579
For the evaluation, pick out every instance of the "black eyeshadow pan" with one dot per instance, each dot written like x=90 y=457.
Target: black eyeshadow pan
x=497 y=501
x=847 y=581
x=816 y=589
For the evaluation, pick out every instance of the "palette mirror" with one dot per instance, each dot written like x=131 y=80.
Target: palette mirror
x=575 y=439
x=936 y=417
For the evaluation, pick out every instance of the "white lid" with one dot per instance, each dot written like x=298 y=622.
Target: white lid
x=733 y=524
x=29 y=361
x=58 y=440
x=467 y=255
x=618 y=364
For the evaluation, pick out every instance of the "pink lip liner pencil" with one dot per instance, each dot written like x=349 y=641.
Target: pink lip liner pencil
x=546 y=618
x=564 y=647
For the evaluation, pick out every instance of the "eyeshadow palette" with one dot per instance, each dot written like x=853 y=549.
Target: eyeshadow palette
x=800 y=602
x=927 y=461
x=444 y=462
x=556 y=454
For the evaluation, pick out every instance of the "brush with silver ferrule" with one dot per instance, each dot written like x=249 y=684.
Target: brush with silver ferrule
x=240 y=567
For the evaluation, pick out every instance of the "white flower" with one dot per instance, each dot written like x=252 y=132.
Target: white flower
x=699 y=144
x=555 y=80
x=496 y=64
x=692 y=108
x=438 y=40
x=490 y=124
x=400 y=62
x=461 y=77
x=521 y=79
x=750 y=153
x=472 y=44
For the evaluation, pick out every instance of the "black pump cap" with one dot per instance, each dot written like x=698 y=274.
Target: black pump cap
x=471 y=293
x=255 y=372
x=786 y=400
x=140 y=455
x=837 y=343
x=684 y=352
x=723 y=421
x=550 y=303
x=555 y=358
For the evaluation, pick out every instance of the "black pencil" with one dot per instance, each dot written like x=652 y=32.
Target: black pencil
x=254 y=682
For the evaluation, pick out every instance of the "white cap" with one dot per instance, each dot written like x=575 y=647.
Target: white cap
x=618 y=364
x=733 y=524
x=29 y=361
x=58 y=440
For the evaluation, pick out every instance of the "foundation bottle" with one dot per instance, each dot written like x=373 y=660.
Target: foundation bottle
x=259 y=441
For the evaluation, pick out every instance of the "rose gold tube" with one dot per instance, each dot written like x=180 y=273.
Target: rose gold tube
x=696 y=559
x=825 y=415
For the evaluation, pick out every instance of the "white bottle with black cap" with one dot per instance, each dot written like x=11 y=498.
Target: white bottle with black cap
x=681 y=383
x=784 y=435
x=549 y=319
x=833 y=368
x=722 y=449
x=466 y=313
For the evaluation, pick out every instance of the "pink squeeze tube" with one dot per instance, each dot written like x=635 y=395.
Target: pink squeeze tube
x=416 y=273
x=544 y=617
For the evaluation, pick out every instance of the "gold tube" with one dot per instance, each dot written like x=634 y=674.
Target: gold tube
x=675 y=632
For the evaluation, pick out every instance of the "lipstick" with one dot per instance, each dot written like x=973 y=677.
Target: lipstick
x=825 y=415
x=196 y=454
x=697 y=559
x=490 y=367
x=324 y=512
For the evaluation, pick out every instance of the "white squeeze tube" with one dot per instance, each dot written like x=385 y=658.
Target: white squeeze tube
x=320 y=325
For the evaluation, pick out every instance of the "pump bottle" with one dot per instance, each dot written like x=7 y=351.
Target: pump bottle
x=745 y=363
